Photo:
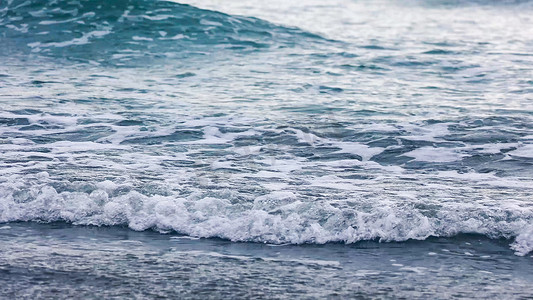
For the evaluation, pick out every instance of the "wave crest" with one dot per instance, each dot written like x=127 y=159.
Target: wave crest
x=124 y=30
x=278 y=217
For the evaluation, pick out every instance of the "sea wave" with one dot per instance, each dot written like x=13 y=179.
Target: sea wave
x=398 y=132
x=129 y=30
x=279 y=217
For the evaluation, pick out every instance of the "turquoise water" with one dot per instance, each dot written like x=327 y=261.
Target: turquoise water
x=320 y=126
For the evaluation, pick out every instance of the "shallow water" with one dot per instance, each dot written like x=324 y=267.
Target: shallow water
x=60 y=261
x=282 y=123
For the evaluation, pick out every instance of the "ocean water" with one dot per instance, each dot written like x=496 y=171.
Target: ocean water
x=310 y=149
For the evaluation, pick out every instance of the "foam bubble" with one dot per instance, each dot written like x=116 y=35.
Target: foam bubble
x=278 y=217
x=433 y=154
x=523 y=151
x=523 y=243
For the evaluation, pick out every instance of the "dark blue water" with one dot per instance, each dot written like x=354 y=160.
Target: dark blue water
x=383 y=129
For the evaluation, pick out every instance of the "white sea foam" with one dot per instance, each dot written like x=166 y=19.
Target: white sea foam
x=523 y=151
x=279 y=217
x=426 y=133
x=53 y=22
x=362 y=150
x=523 y=243
x=142 y=38
x=247 y=150
x=294 y=200
x=432 y=154
x=84 y=39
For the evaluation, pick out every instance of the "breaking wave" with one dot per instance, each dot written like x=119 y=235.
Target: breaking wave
x=278 y=217
x=391 y=137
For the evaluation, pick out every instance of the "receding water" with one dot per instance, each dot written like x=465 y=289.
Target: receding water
x=61 y=261
x=387 y=146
